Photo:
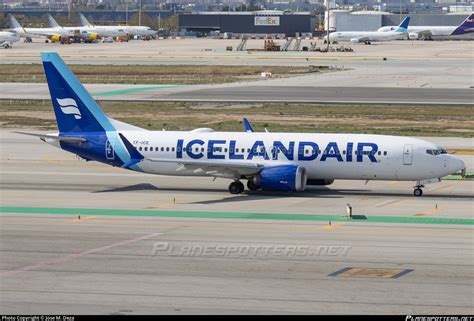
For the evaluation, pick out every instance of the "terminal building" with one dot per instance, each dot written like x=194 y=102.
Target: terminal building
x=288 y=23
x=259 y=22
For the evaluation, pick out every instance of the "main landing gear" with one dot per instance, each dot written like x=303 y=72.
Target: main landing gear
x=418 y=190
x=236 y=187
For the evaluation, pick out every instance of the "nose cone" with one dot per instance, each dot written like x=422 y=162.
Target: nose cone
x=456 y=164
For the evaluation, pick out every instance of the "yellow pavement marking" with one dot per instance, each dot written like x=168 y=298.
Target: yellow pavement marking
x=442 y=188
x=371 y=273
x=332 y=226
x=393 y=202
x=164 y=204
x=83 y=218
x=429 y=212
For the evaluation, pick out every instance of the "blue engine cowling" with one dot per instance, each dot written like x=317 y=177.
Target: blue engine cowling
x=287 y=178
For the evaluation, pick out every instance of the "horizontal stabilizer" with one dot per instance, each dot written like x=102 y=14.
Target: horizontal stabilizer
x=135 y=156
x=67 y=139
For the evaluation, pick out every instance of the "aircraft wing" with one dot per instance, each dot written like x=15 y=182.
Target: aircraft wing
x=424 y=33
x=363 y=39
x=225 y=168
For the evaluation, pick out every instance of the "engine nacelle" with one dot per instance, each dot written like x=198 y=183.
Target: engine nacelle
x=89 y=36
x=355 y=40
x=55 y=38
x=319 y=181
x=286 y=178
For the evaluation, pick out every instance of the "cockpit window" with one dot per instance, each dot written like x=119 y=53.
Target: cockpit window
x=437 y=151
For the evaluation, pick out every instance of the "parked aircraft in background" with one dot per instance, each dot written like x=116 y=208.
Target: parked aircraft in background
x=371 y=36
x=90 y=32
x=267 y=161
x=53 y=34
x=438 y=32
x=130 y=30
x=7 y=38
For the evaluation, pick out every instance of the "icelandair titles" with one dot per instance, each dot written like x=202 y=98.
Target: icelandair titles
x=301 y=151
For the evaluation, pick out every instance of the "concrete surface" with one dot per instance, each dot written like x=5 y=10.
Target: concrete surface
x=55 y=263
x=408 y=64
x=254 y=93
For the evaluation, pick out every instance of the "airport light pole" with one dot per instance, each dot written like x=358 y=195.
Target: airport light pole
x=327 y=31
x=140 y=14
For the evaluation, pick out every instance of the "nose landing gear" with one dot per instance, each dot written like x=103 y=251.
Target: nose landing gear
x=418 y=190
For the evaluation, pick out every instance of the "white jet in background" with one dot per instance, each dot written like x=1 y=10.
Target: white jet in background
x=7 y=39
x=90 y=32
x=129 y=30
x=54 y=34
x=438 y=32
x=368 y=37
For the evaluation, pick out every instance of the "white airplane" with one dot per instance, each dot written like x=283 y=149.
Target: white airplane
x=7 y=39
x=268 y=161
x=438 y=32
x=371 y=36
x=53 y=34
x=89 y=32
x=129 y=30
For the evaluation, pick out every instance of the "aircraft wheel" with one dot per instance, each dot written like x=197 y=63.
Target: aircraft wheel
x=236 y=187
x=252 y=186
x=418 y=192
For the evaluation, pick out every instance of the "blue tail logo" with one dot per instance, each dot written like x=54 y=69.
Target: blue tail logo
x=403 y=26
x=465 y=27
x=69 y=107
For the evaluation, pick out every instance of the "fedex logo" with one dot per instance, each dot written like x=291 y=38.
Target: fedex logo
x=292 y=151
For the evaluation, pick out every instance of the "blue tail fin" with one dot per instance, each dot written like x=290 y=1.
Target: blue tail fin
x=403 y=26
x=75 y=109
x=466 y=26
x=248 y=128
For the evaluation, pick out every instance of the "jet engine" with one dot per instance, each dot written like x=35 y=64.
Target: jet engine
x=286 y=178
x=355 y=40
x=55 y=38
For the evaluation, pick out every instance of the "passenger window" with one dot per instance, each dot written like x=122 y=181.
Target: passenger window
x=140 y=148
x=162 y=149
x=384 y=153
x=146 y=149
x=167 y=149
